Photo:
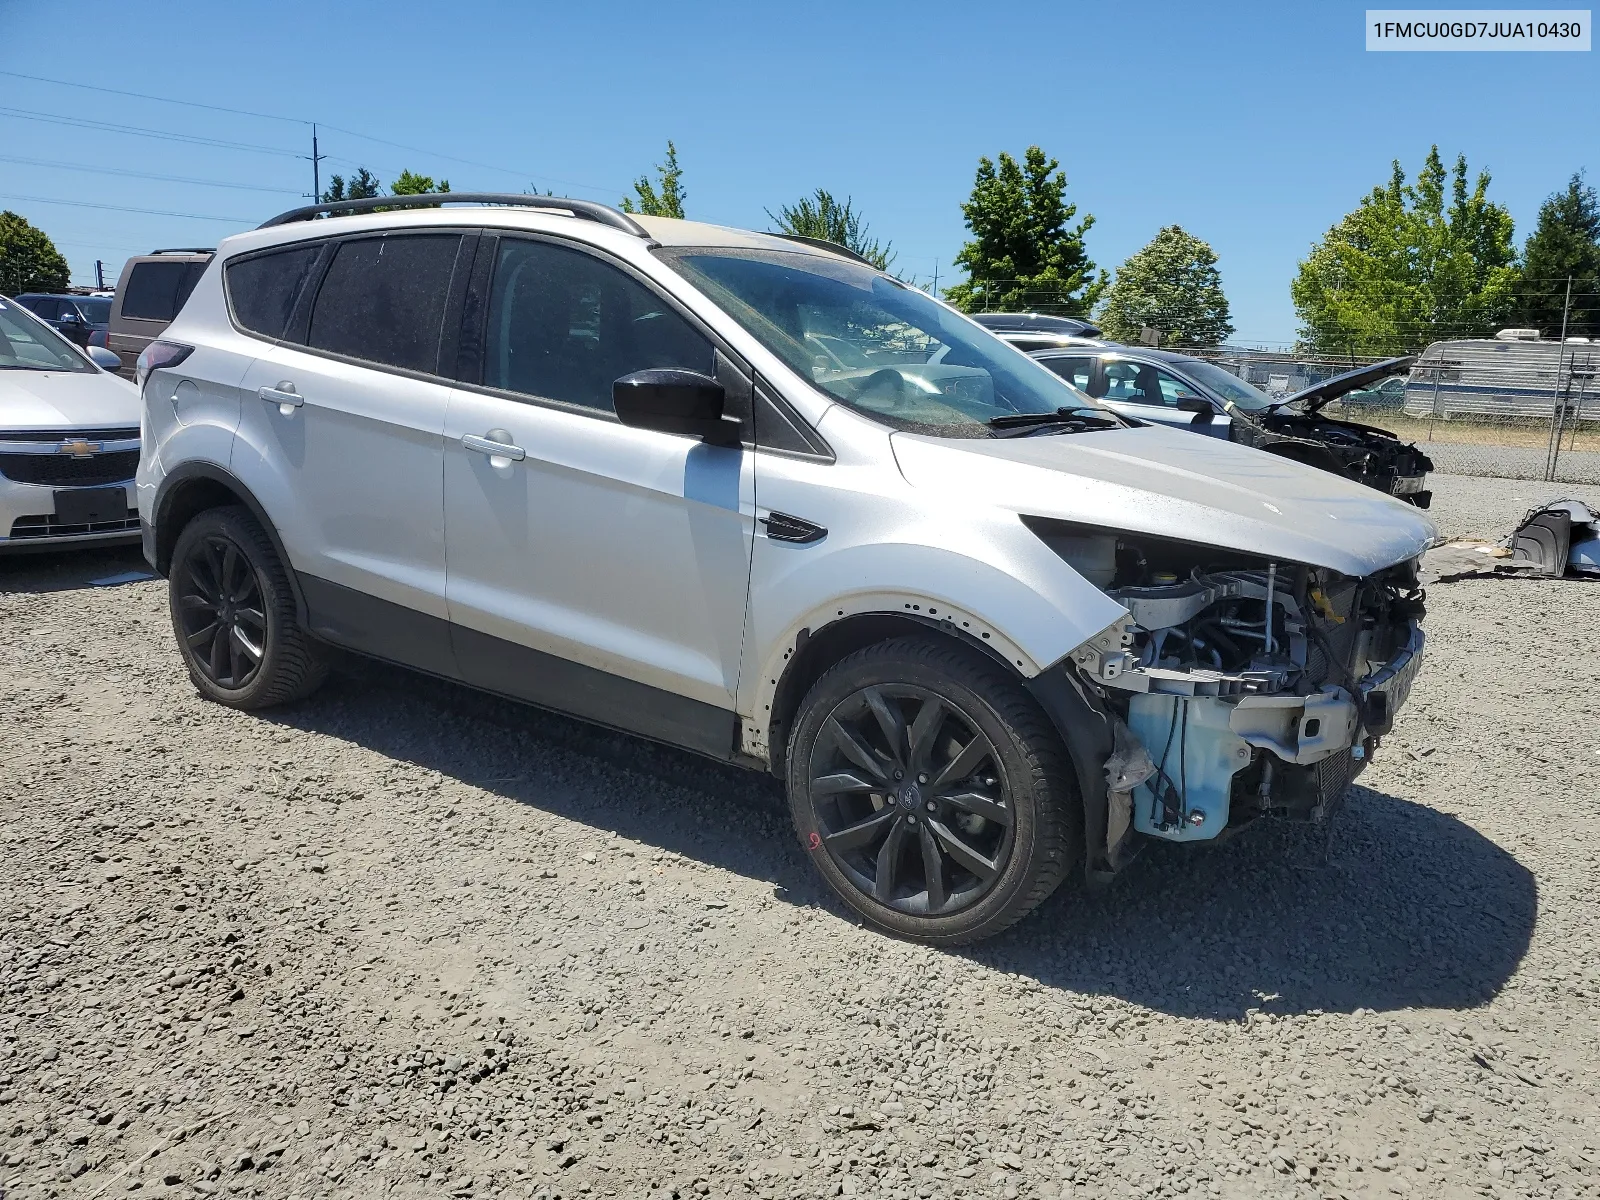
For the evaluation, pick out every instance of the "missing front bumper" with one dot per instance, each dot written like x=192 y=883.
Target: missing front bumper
x=1282 y=752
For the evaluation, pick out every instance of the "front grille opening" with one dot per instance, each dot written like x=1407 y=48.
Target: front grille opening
x=31 y=528
x=62 y=470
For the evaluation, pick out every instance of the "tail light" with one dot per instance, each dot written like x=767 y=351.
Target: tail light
x=158 y=356
x=99 y=337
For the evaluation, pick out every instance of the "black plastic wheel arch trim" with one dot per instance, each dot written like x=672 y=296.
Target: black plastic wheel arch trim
x=158 y=551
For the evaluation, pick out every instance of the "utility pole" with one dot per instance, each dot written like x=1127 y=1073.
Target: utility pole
x=99 y=275
x=316 y=167
x=936 y=279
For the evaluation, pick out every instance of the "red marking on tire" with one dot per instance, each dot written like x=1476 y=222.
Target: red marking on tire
x=816 y=841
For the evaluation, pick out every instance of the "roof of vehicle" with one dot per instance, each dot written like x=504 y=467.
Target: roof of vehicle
x=1117 y=348
x=519 y=211
x=1030 y=322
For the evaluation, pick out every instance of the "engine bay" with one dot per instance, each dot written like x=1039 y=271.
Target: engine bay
x=1247 y=688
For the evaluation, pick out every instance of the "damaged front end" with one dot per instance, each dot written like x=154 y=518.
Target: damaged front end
x=1237 y=688
x=1368 y=455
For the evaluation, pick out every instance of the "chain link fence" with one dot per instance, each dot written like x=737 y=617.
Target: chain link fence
x=1507 y=408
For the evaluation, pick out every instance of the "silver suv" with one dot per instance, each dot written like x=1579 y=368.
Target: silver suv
x=749 y=496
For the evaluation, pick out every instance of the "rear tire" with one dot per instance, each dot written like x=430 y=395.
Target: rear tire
x=233 y=614
x=932 y=792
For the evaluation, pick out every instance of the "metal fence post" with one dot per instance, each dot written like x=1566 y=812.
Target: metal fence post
x=1557 y=406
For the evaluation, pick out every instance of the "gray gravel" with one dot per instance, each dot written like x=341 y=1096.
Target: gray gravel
x=1468 y=507
x=405 y=941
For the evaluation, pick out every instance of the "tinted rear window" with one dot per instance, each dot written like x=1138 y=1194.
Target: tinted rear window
x=383 y=299
x=262 y=291
x=157 y=290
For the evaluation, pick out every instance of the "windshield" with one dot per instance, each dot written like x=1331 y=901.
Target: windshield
x=28 y=344
x=878 y=345
x=96 y=310
x=1228 y=386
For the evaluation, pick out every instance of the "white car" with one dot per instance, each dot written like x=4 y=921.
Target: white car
x=991 y=635
x=69 y=440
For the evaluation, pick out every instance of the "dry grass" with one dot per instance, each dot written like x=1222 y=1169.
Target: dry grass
x=1522 y=434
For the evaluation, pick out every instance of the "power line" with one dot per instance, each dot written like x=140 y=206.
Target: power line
x=90 y=87
x=154 y=212
x=141 y=131
x=244 y=187
x=297 y=121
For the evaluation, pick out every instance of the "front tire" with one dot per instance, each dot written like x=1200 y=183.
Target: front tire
x=233 y=614
x=931 y=791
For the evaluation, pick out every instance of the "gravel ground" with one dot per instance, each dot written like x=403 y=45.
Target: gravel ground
x=405 y=941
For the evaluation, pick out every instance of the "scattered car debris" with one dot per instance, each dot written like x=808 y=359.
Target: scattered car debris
x=1558 y=538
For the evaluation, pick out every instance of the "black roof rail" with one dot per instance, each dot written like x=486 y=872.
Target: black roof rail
x=186 y=250
x=584 y=210
x=824 y=244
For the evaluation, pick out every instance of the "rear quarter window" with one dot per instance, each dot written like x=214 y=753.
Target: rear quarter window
x=157 y=290
x=263 y=290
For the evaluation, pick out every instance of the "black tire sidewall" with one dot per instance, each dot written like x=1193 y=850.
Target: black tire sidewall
x=969 y=687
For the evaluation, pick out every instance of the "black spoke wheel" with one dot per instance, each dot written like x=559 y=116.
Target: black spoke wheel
x=220 y=611
x=911 y=799
x=234 y=614
x=931 y=791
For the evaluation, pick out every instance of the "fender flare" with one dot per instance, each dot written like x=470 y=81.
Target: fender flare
x=938 y=615
x=160 y=535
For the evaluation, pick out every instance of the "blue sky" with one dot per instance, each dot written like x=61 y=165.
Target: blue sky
x=1252 y=126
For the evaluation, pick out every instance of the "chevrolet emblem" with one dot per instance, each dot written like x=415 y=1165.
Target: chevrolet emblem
x=79 y=448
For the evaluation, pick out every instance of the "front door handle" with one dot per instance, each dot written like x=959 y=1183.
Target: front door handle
x=284 y=396
x=496 y=444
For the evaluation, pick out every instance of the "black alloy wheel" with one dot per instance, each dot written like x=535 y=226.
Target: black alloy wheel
x=221 y=611
x=234 y=614
x=911 y=800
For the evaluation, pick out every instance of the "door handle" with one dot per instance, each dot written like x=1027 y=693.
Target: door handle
x=493 y=447
x=284 y=396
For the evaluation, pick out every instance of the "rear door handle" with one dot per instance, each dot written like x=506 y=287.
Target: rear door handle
x=284 y=396
x=493 y=446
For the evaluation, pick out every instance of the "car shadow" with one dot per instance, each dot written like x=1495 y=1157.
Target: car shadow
x=1392 y=905
x=37 y=571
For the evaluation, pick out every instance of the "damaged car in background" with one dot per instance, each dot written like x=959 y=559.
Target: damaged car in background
x=1180 y=390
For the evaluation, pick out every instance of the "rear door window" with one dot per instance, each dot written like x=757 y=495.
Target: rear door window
x=157 y=290
x=1076 y=371
x=263 y=290
x=383 y=299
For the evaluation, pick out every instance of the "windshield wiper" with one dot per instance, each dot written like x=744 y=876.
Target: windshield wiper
x=1079 y=418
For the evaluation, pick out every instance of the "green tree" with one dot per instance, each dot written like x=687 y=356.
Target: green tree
x=821 y=216
x=29 y=260
x=1406 y=268
x=1172 y=285
x=363 y=185
x=1564 y=245
x=667 y=201
x=1024 y=253
x=416 y=185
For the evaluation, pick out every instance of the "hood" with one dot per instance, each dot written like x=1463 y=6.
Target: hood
x=49 y=400
x=1329 y=390
x=1169 y=483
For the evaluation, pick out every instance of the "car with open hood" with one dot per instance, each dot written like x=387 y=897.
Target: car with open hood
x=1181 y=390
x=753 y=497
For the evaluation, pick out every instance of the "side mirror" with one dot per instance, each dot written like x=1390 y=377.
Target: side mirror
x=1193 y=404
x=670 y=400
x=106 y=360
